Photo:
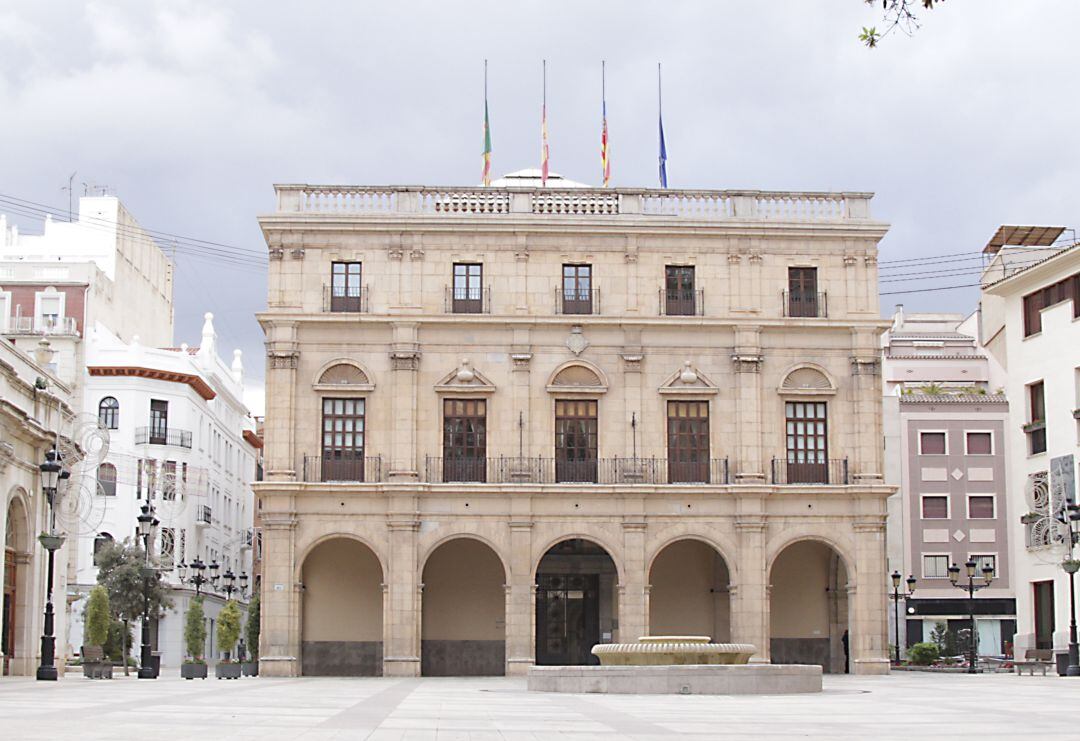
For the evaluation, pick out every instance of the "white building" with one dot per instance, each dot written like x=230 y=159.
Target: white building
x=1031 y=323
x=182 y=439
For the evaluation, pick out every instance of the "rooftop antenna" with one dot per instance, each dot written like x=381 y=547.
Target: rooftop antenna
x=71 y=179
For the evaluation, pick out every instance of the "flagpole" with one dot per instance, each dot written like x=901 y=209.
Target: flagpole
x=660 y=111
x=605 y=147
x=486 y=176
x=543 y=130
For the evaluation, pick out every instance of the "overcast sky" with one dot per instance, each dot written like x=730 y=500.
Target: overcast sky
x=191 y=110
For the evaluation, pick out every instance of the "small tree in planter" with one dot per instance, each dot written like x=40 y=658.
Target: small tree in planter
x=194 y=640
x=228 y=634
x=98 y=618
x=923 y=654
x=250 y=667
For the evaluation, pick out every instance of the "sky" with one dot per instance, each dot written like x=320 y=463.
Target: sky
x=190 y=111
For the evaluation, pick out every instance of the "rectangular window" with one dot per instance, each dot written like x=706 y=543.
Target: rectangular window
x=688 y=441
x=1036 y=301
x=345 y=291
x=680 y=296
x=159 y=421
x=139 y=478
x=577 y=290
x=464 y=440
x=802 y=292
x=935 y=507
x=343 y=440
x=935 y=566
x=50 y=311
x=807 y=442
x=932 y=443
x=984 y=560
x=151 y=477
x=979 y=443
x=980 y=507
x=468 y=292
x=167 y=546
x=1036 y=427
x=575 y=440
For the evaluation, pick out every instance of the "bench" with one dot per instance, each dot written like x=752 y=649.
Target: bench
x=1034 y=658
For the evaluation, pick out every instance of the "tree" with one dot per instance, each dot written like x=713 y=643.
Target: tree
x=254 y=610
x=97 y=617
x=898 y=14
x=195 y=630
x=122 y=571
x=228 y=627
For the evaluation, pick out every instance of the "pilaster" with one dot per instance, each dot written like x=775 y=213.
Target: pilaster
x=520 y=601
x=401 y=631
x=279 y=640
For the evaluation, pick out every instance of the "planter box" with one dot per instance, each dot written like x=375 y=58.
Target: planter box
x=97 y=669
x=249 y=668
x=193 y=671
x=229 y=670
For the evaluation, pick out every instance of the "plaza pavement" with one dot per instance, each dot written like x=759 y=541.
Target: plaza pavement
x=908 y=706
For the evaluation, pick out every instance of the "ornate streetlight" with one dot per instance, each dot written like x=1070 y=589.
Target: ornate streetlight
x=1071 y=565
x=52 y=473
x=896 y=596
x=971 y=587
x=229 y=580
x=148 y=525
x=196 y=576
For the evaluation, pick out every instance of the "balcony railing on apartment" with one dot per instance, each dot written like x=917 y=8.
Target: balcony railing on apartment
x=317 y=469
x=813 y=305
x=203 y=515
x=577 y=302
x=468 y=300
x=540 y=470
x=64 y=325
x=349 y=300
x=682 y=302
x=159 y=436
x=833 y=471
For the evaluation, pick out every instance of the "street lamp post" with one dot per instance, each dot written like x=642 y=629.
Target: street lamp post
x=1071 y=566
x=52 y=472
x=147 y=530
x=197 y=576
x=896 y=596
x=971 y=587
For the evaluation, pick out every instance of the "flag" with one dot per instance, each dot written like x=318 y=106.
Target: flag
x=663 y=155
x=487 y=147
x=605 y=160
x=543 y=135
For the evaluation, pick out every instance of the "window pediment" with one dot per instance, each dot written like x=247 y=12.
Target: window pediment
x=688 y=380
x=343 y=375
x=465 y=379
x=577 y=377
x=807 y=379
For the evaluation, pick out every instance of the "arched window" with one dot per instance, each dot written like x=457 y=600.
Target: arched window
x=109 y=413
x=100 y=542
x=106 y=476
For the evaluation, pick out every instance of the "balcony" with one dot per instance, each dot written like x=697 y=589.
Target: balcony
x=162 y=436
x=317 y=469
x=577 y=302
x=797 y=304
x=46 y=325
x=203 y=515
x=468 y=300
x=787 y=473
x=247 y=537
x=682 y=302
x=621 y=471
x=352 y=300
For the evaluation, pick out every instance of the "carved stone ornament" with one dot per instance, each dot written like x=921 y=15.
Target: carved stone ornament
x=632 y=362
x=521 y=360
x=576 y=342
x=277 y=253
x=286 y=361
x=297 y=253
x=867 y=366
x=405 y=361
x=746 y=363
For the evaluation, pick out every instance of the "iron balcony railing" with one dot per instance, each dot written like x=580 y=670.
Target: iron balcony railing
x=320 y=469
x=541 y=470
x=468 y=300
x=789 y=472
x=346 y=299
x=203 y=514
x=682 y=302
x=571 y=301
x=804 y=304
x=162 y=436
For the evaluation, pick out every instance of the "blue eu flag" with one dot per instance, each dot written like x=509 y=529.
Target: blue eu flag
x=663 y=156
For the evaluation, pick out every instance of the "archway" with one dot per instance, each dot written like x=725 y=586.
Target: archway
x=15 y=646
x=342 y=610
x=463 y=615
x=689 y=593
x=808 y=607
x=576 y=602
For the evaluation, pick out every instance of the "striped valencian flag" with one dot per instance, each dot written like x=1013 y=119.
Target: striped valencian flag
x=487 y=147
x=605 y=154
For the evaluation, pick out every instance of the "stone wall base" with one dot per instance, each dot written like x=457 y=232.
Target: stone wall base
x=698 y=679
x=342 y=658
x=445 y=658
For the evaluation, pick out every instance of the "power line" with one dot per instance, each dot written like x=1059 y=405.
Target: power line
x=928 y=290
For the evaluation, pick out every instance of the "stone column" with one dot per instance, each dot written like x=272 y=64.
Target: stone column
x=865 y=435
x=401 y=649
x=868 y=639
x=632 y=617
x=520 y=601
x=750 y=460
x=749 y=595
x=279 y=640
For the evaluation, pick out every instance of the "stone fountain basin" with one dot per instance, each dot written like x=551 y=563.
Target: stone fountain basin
x=672 y=651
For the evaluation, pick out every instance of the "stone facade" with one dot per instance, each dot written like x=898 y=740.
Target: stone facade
x=395 y=554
